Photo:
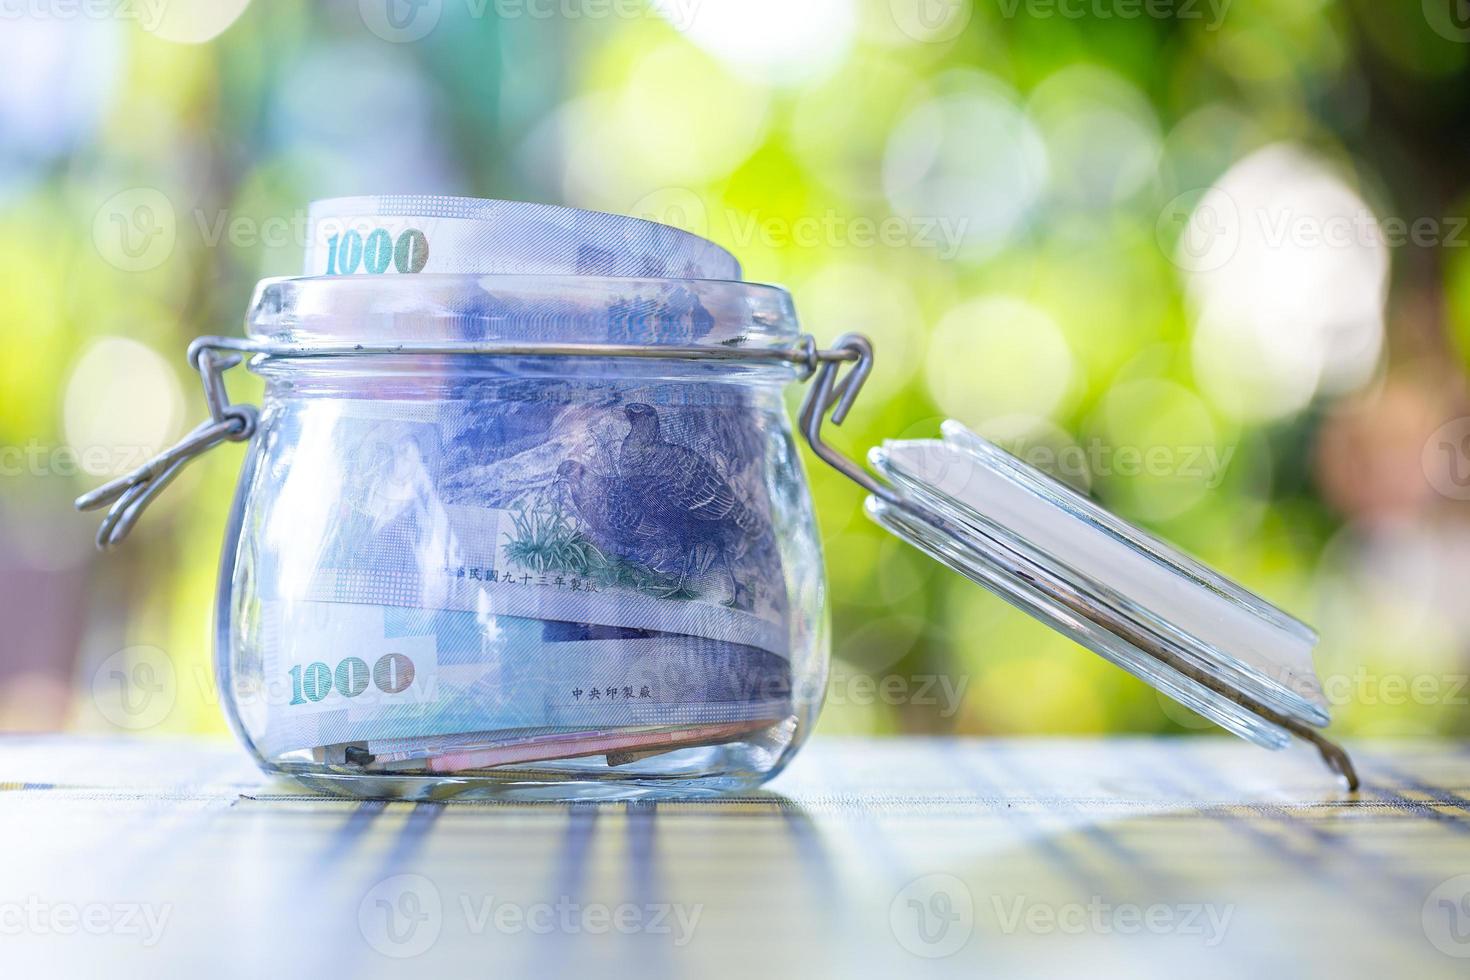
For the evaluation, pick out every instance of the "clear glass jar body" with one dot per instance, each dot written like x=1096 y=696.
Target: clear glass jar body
x=537 y=577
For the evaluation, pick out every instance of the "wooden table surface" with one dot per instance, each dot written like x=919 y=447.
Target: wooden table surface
x=1141 y=857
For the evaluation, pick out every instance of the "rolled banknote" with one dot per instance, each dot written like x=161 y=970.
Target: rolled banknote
x=407 y=234
x=621 y=746
x=390 y=678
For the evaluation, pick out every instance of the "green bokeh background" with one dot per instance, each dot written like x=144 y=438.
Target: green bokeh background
x=1074 y=326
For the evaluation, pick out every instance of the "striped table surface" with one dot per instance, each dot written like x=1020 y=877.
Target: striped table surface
x=1194 y=857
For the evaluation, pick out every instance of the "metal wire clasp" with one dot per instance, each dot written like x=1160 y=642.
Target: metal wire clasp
x=834 y=395
x=130 y=495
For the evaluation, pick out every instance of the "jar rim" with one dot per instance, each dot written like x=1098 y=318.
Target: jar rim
x=325 y=311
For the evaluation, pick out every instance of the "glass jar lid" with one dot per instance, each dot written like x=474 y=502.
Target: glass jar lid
x=1131 y=598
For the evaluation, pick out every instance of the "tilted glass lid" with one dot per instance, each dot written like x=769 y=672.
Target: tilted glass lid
x=1138 y=602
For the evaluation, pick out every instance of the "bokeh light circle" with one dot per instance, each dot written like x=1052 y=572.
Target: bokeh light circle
x=770 y=40
x=680 y=119
x=121 y=404
x=998 y=355
x=1102 y=137
x=866 y=298
x=1159 y=451
x=197 y=21
x=969 y=156
x=1297 y=308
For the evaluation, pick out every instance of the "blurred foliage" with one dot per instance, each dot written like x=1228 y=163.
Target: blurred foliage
x=826 y=145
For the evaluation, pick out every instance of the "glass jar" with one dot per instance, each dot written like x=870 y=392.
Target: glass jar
x=525 y=574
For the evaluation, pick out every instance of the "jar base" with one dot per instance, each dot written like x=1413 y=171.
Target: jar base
x=695 y=772
x=523 y=787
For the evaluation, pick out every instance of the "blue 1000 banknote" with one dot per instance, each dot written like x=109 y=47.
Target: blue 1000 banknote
x=407 y=234
x=348 y=673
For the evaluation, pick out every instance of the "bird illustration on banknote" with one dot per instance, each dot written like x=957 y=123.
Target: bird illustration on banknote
x=665 y=496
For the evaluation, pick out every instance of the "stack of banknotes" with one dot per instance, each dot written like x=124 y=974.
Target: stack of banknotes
x=516 y=569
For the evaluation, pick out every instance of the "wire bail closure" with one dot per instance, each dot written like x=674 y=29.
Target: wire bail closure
x=129 y=495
